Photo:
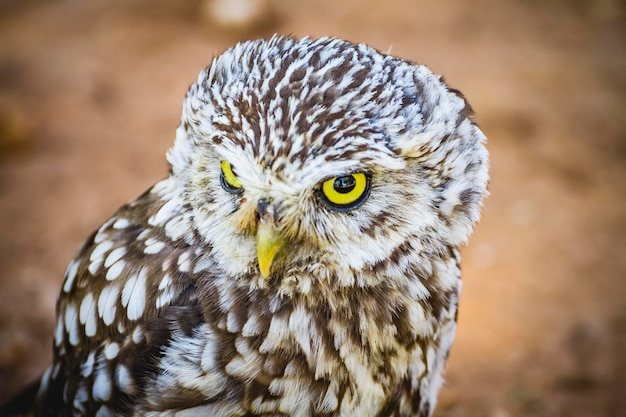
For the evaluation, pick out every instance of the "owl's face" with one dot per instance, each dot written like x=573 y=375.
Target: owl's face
x=320 y=166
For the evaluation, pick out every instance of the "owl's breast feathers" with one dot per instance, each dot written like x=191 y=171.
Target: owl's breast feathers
x=147 y=325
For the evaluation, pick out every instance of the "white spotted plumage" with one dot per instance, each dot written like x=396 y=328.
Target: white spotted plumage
x=166 y=309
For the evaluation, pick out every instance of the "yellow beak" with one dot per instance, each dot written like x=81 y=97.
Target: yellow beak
x=268 y=243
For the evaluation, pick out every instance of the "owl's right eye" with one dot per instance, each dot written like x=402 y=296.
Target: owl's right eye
x=228 y=179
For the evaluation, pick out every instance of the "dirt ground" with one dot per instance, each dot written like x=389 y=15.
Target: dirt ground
x=90 y=95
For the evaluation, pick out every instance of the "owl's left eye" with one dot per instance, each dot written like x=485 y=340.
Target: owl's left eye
x=228 y=179
x=347 y=192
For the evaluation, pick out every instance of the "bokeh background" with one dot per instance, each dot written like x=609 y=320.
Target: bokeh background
x=90 y=96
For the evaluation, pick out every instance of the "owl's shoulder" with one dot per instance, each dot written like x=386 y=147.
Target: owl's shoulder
x=125 y=295
x=132 y=258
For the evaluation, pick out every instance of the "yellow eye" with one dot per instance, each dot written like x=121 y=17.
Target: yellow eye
x=347 y=192
x=228 y=178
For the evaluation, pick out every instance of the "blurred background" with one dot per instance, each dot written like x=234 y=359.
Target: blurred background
x=90 y=96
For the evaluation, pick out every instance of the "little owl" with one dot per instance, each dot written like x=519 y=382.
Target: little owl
x=301 y=258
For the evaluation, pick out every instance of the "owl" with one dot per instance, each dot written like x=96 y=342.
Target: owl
x=301 y=258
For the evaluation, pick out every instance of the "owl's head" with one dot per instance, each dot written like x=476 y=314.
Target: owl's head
x=327 y=160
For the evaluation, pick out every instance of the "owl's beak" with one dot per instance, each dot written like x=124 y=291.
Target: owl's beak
x=268 y=238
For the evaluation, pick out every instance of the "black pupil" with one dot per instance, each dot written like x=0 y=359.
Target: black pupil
x=344 y=185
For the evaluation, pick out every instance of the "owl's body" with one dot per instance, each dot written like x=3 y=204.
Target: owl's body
x=300 y=260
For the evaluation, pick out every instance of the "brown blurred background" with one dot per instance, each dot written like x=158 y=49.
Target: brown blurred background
x=90 y=96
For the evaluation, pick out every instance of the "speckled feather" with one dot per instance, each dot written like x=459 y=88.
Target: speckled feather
x=164 y=311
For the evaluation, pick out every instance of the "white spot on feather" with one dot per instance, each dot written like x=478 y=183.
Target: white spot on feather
x=165 y=297
x=165 y=281
x=276 y=335
x=71 y=324
x=45 y=380
x=121 y=224
x=100 y=250
x=115 y=270
x=107 y=303
x=166 y=263
x=59 y=331
x=164 y=214
x=137 y=335
x=55 y=370
x=70 y=275
x=100 y=236
x=87 y=367
x=153 y=246
x=87 y=315
x=134 y=294
x=184 y=264
x=252 y=326
x=232 y=323
x=144 y=234
x=102 y=384
x=115 y=255
x=209 y=354
x=177 y=227
x=111 y=350
x=123 y=379
x=94 y=266
x=80 y=398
